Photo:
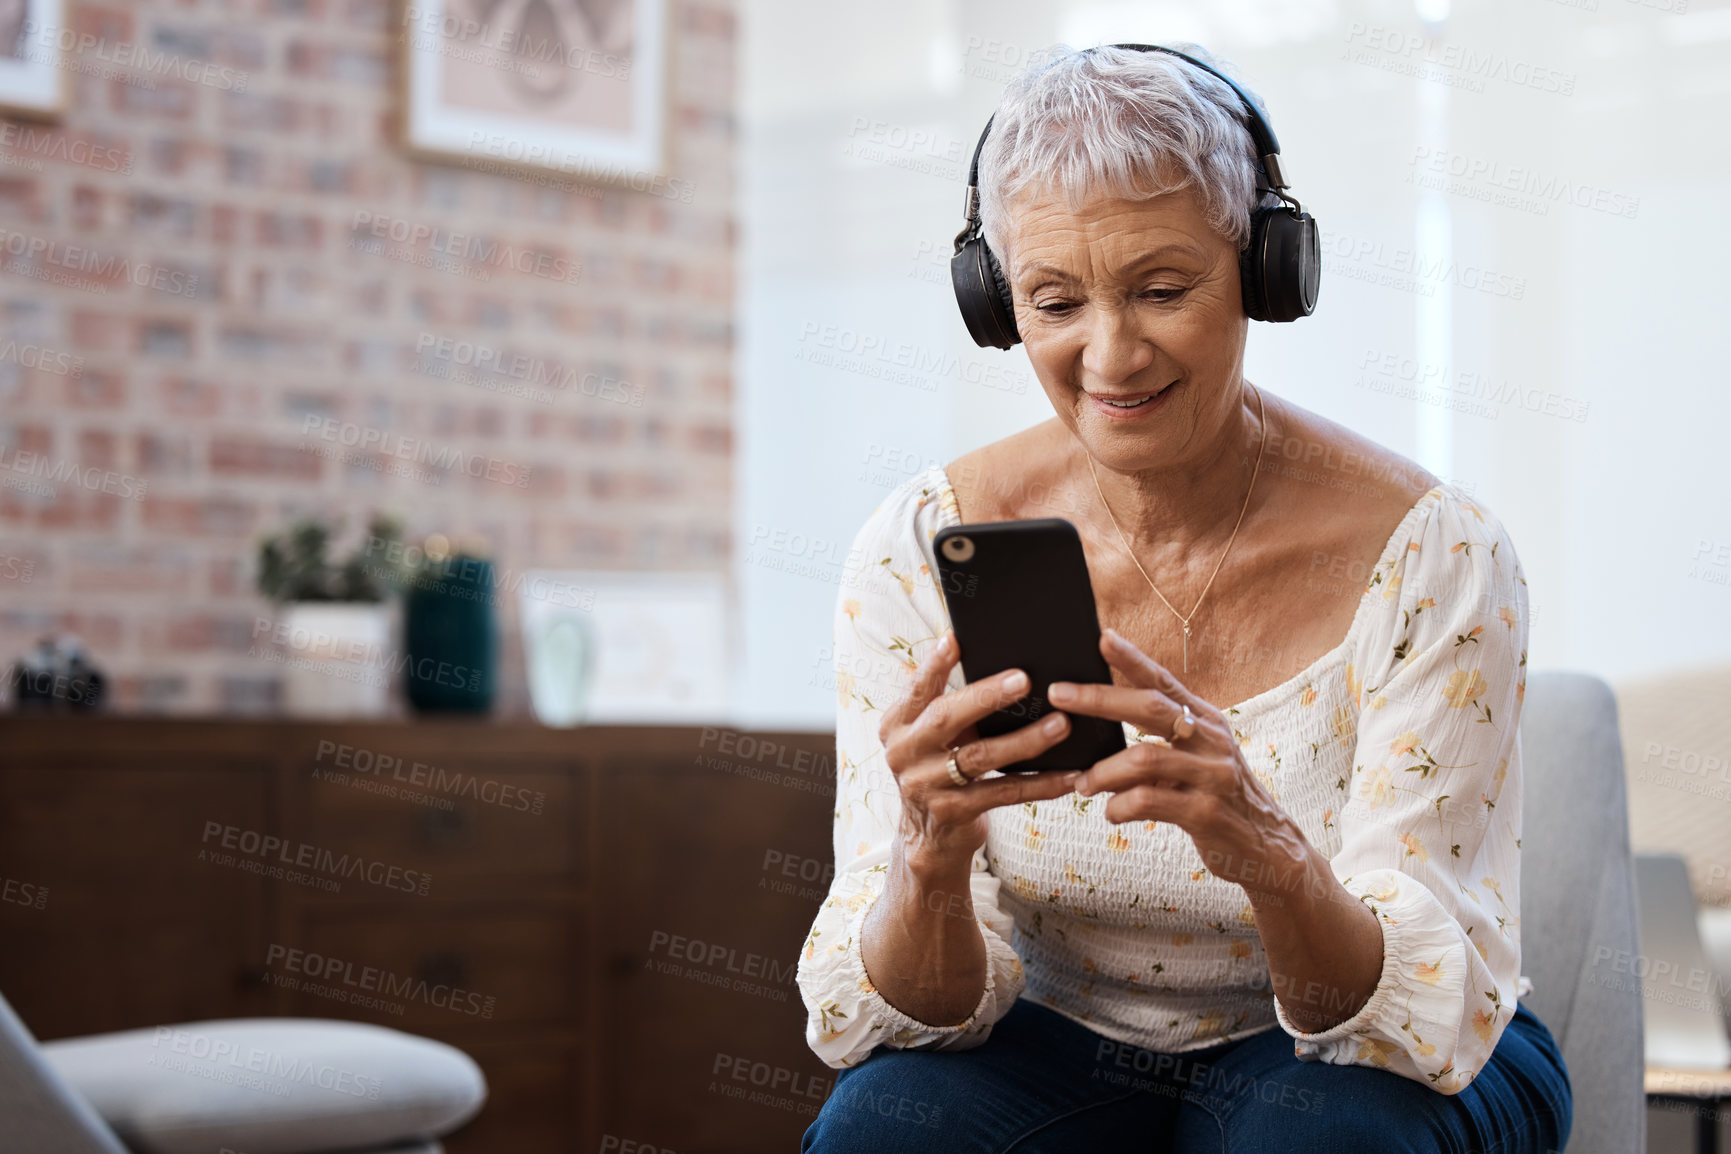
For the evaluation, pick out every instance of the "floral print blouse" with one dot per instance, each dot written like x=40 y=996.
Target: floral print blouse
x=1397 y=753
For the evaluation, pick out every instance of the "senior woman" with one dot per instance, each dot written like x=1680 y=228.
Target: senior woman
x=1287 y=915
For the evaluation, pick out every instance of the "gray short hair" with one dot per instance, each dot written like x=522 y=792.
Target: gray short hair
x=1121 y=122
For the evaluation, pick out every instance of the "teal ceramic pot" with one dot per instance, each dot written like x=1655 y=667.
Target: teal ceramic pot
x=451 y=636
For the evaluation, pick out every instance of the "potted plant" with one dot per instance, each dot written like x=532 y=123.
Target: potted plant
x=332 y=632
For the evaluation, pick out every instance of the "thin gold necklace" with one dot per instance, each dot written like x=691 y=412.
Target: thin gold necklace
x=1184 y=619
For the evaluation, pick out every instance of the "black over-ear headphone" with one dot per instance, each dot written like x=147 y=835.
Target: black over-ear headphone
x=1279 y=270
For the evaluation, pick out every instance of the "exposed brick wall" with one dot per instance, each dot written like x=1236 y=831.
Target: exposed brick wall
x=184 y=398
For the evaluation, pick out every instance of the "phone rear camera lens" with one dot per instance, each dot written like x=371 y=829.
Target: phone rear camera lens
x=958 y=548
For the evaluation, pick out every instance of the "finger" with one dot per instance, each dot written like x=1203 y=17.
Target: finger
x=1014 y=789
x=978 y=758
x=929 y=685
x=1146 y=709
x=1146 y=763
x=949 y=715
x=1156 y=803
x=1143 y=671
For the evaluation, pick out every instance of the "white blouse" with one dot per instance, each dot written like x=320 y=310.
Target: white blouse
x=1397 y=753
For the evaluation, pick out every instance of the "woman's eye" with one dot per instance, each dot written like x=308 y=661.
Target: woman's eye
x=1162 y=295
x=1054 y=308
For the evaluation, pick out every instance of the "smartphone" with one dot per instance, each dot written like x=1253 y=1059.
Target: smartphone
x=1019 y=598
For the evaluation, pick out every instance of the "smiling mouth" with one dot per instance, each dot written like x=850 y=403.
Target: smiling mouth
x=1131 y=400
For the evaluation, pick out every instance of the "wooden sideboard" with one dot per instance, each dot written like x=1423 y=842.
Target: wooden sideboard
x=609 y=923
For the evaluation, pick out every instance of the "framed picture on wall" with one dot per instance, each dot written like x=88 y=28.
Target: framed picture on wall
x=31 y=78
x=575 y=86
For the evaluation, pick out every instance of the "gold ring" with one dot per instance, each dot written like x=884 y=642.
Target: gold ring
x=1184 y=726
x=956 y=774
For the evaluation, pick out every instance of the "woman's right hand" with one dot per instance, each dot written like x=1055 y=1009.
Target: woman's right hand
x=943 y=823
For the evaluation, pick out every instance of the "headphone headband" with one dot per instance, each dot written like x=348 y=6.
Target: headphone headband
x=1261 y=131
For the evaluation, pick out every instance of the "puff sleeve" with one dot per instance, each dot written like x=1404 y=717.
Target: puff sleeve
x=1430 y=838
x=889 y=614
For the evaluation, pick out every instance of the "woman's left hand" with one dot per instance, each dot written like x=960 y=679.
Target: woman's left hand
x=1200 y=783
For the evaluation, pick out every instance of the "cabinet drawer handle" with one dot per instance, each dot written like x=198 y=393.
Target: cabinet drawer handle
x=443 y=825
x=443 y=969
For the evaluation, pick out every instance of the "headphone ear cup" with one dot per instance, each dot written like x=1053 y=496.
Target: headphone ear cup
x=983 y=296
x=1250 y=269
x=1282 y=268
x=1005 y=300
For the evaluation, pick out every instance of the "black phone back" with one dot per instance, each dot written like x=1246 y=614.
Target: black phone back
x=1019 y=597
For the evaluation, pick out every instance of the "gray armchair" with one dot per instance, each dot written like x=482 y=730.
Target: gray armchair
x=1578 y=900
x=255 y=1086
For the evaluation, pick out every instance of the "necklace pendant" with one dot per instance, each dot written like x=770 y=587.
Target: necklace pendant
x=1187 y=648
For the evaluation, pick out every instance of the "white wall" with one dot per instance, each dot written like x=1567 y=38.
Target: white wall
x=1620 y=318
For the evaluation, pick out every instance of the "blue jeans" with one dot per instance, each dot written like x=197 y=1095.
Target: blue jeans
x=1042 y=1084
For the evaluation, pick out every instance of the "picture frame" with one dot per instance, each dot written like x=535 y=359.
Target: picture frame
x=626 y=648
x=576 y=87
x=32 y=73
